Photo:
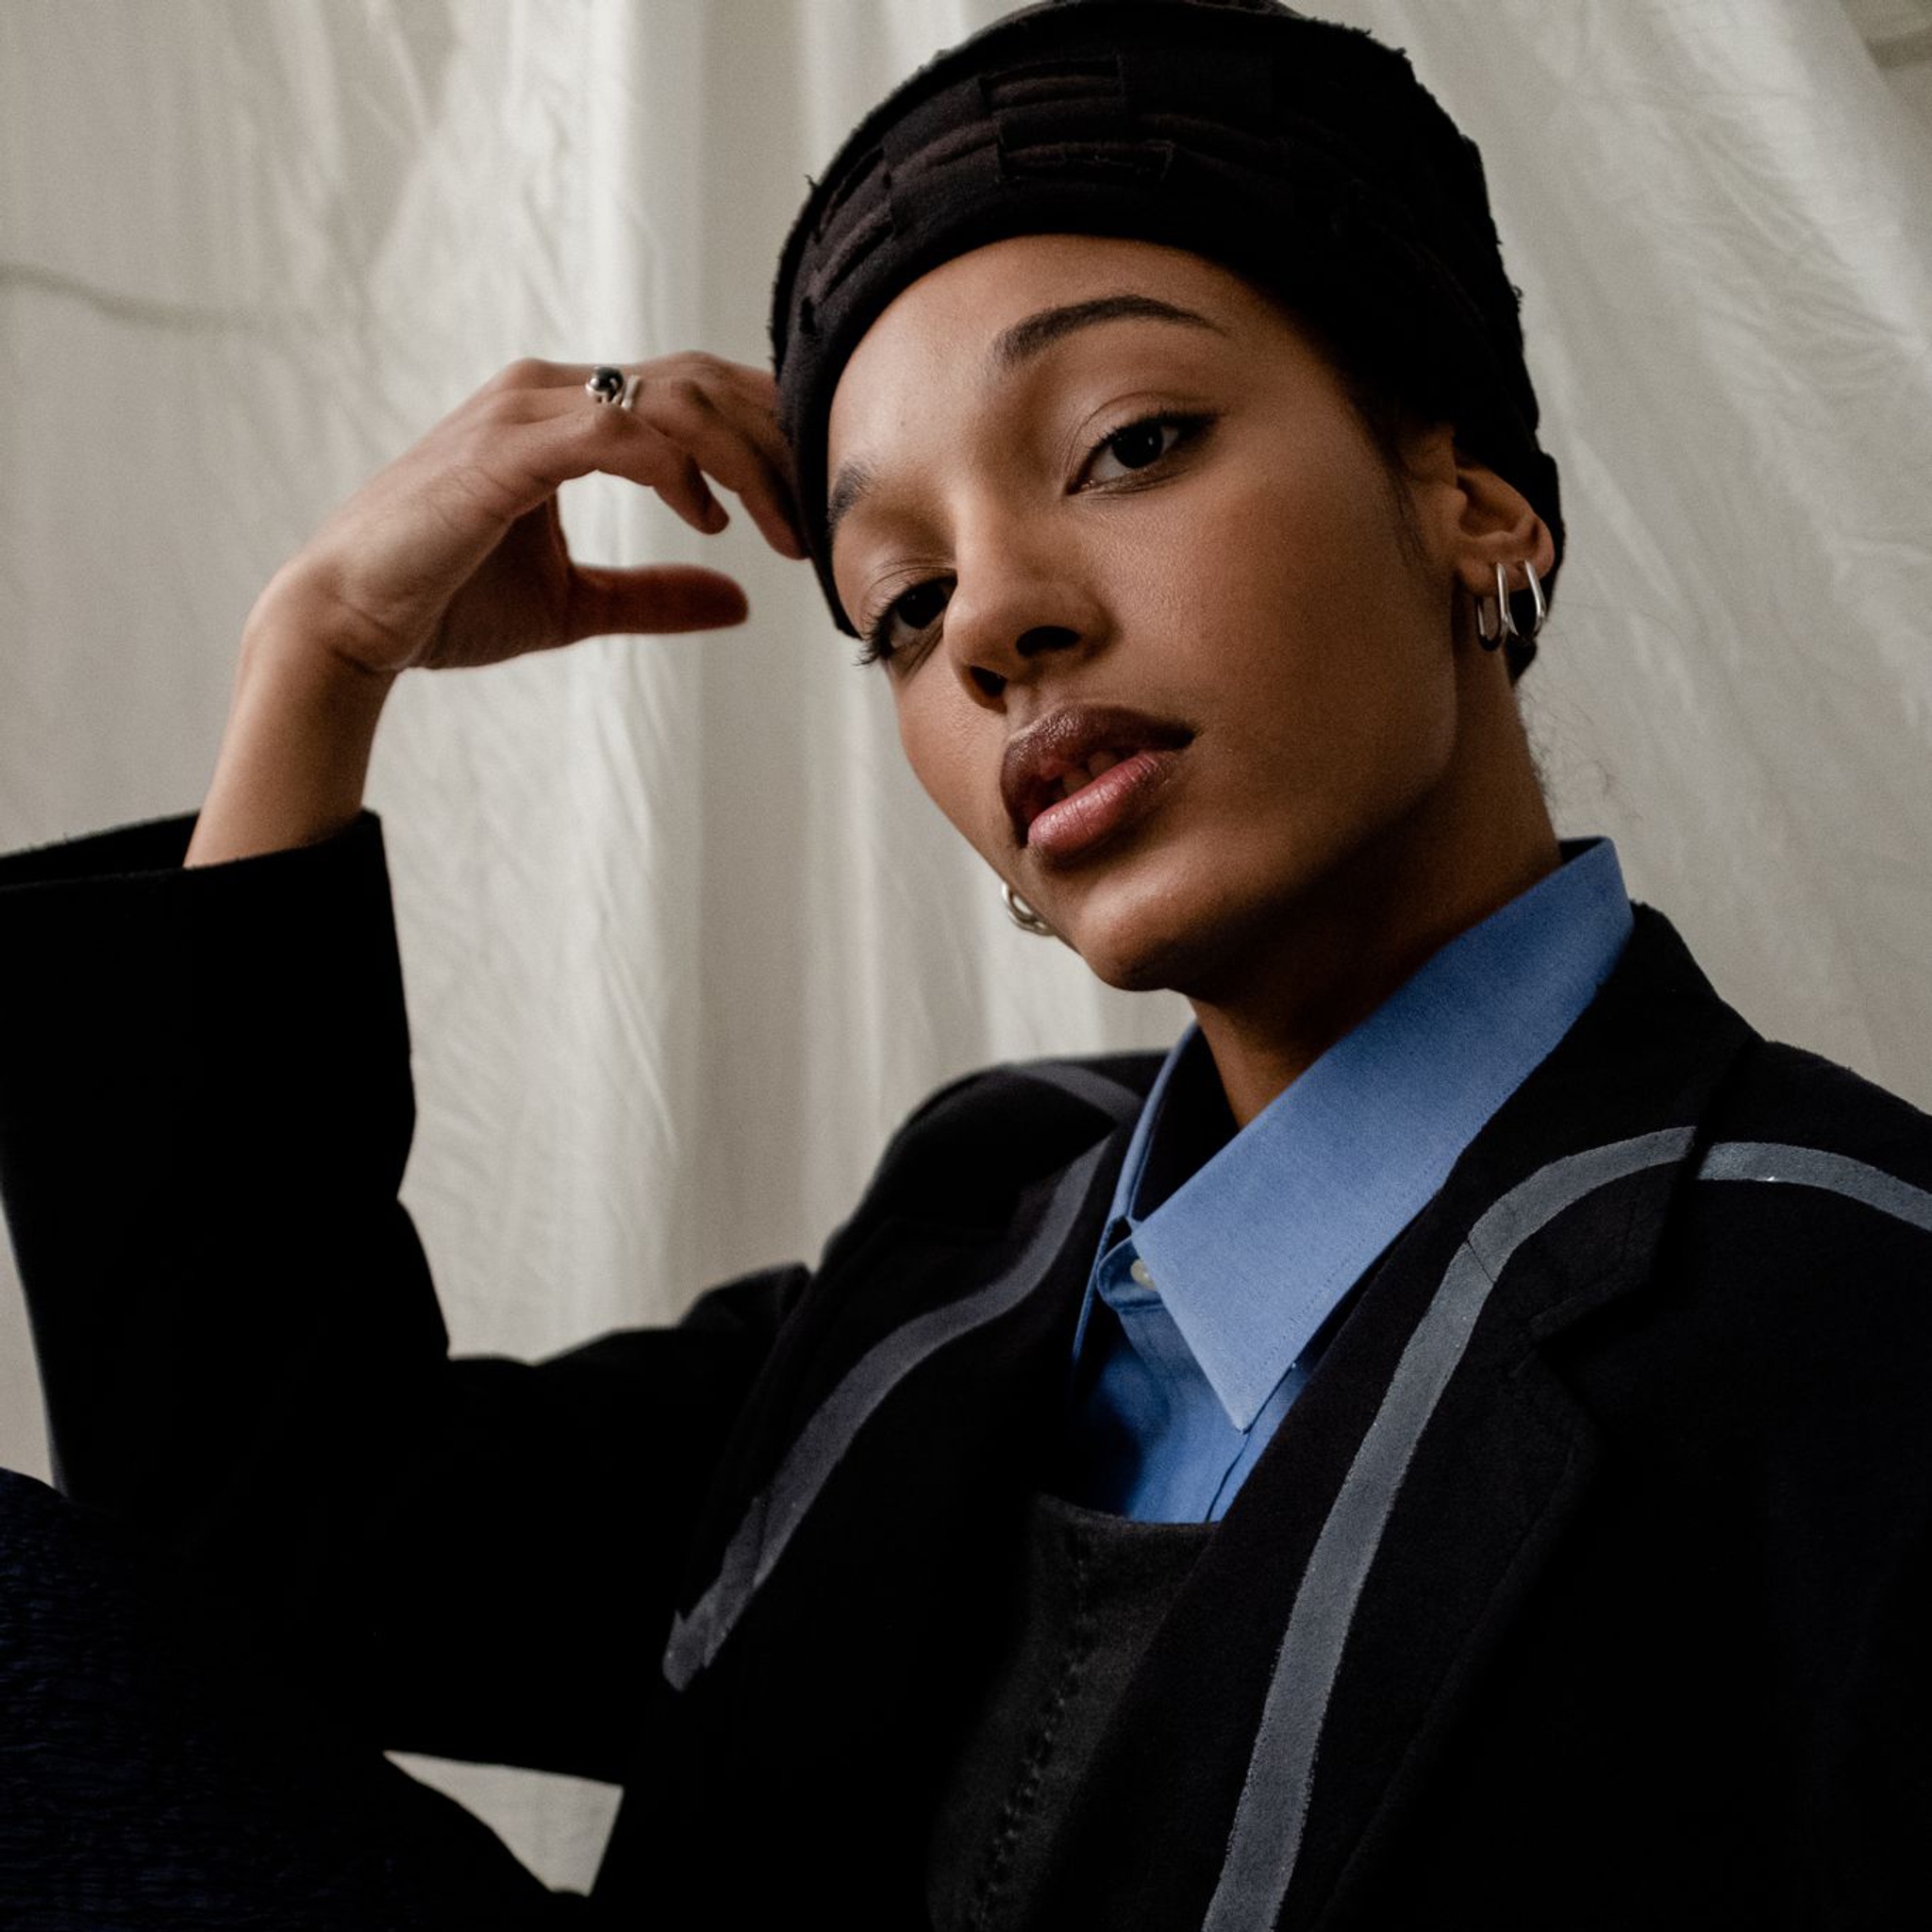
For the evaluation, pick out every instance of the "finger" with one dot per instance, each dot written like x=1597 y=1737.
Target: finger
x=735 y=443
x=761 y=415
x=726 y=422
x=757 y=389
x=519 y=462
x=536 y=373
x=660 y=597
x=756 y=385
x=529 y=377
x=745 y=394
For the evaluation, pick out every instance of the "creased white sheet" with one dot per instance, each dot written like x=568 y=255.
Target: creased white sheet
x=683 y=940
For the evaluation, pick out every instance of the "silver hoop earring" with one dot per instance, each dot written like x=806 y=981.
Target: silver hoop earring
x=1024 y=916
x=1493 y=630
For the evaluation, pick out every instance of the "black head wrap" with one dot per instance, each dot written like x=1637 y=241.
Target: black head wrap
x=1303 y=155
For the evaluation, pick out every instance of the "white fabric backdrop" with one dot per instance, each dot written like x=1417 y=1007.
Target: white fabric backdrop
x=682 y=939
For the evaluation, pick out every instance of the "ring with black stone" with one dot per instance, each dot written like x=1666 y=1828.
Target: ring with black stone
x=605 y=384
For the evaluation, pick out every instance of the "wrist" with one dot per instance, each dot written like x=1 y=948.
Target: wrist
x=295 y=754
x=286 y=637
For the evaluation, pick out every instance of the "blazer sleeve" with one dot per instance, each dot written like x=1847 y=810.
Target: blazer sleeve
x=206 y=1109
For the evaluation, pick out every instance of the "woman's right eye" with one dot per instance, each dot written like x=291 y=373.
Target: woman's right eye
x=905 y=608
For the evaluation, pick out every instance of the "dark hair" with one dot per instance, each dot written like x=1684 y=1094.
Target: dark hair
x=1390 y=419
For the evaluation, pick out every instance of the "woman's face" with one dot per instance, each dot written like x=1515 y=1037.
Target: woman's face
x=1181 y=518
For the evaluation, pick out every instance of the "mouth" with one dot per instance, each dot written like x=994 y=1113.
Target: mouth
x=1077 y=767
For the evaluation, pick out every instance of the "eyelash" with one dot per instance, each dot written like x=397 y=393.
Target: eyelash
x=876 y=649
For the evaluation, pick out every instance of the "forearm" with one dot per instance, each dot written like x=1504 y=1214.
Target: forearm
x=204 y=1093
x=294 y=755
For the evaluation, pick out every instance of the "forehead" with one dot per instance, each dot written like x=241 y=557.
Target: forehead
x=953 y=313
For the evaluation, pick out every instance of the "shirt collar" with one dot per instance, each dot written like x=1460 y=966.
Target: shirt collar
x=1255 y=1245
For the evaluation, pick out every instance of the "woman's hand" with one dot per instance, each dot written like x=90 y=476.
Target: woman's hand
x=455 y=554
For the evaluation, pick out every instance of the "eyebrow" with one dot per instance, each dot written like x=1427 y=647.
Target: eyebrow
x=1021 y=342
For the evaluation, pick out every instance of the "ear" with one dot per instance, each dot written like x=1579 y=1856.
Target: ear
x=1491 y=523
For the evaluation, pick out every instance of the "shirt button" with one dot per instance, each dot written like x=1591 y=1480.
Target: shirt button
x=1138 y=1271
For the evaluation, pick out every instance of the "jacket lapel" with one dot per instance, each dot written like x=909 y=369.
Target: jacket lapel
x=1331 y=1635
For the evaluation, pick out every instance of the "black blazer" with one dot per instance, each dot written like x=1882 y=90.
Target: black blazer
x=1586 y=1585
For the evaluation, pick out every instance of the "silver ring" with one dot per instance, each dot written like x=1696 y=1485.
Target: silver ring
x=607 y=384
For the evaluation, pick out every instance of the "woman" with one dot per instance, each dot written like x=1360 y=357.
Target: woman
x=1442 y=1445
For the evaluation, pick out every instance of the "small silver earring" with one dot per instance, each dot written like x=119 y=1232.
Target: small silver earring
x=1024 y=916
x=1492 y=630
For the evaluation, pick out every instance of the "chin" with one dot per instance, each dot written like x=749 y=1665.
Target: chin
x=1143 y=944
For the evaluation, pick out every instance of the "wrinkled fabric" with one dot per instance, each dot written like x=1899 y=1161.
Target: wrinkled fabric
x=674 y=909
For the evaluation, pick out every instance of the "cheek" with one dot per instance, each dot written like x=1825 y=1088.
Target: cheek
x=1320 y=654
x=1276 y=542
x=1263 y=583
x=955 y=756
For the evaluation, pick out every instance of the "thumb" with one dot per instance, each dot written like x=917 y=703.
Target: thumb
x=650 y=597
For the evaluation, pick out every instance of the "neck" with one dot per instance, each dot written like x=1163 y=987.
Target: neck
x=1476 y=841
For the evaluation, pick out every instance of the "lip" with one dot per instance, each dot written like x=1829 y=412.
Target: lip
x=1038 y=758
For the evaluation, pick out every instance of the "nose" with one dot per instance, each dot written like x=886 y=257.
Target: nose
x=1014 y=609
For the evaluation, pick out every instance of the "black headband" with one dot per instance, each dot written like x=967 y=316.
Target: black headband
x=1304 y=155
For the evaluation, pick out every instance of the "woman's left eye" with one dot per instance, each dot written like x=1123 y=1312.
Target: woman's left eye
x=1138 y=445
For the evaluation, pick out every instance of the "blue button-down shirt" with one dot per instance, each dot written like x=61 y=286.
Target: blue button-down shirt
x=1226 y=1252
